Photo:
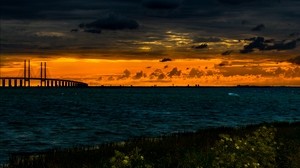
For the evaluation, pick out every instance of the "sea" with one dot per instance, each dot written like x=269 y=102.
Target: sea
x=38 y=119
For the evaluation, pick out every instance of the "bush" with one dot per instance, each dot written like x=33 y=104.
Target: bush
x=256 y=150
x=133 y=160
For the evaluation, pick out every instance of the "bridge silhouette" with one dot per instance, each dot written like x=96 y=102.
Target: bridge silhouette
x=26 y=80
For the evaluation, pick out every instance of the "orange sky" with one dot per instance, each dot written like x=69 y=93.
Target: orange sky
x=178 y=72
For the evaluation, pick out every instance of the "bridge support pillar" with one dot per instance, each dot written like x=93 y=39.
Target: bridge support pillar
x=9 y=82
x=15 y=82
x=47 y=81
x=3 y=82
x=21 y=83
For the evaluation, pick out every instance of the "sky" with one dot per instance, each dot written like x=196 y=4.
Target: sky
x=154 y=42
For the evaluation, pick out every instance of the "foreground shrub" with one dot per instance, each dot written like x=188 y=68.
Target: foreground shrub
x=256 y=150
x=132 y=160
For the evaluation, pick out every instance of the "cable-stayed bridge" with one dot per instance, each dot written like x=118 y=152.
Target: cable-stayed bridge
x=42 y=81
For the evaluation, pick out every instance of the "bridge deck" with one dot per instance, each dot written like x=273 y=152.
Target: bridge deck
x=44 y=82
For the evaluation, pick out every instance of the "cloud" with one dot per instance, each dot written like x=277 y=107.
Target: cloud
x=158 y=74
x=50 y=34
x=139 y=75
x=165 y=60
x=283 y=45
x=126 y=74
x=224 y=63
x=111 y=78
x=161 y=4
x=263 y=45
x=174 y=72
x=292 y=72
x=201 y=46
x=195 y=73
x=228 y=52
x=295 y=60
x=96 y=31
x=258 y=27
x=111 y=22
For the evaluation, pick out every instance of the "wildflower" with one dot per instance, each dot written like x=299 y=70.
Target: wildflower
x=125 y=162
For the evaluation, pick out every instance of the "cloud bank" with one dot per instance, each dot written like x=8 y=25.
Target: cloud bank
x=111 y=22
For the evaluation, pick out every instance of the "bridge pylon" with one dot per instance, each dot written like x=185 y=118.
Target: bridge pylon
x=44 y=81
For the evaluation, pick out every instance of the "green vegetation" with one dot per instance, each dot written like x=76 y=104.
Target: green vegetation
x=257 y=150
x=264 y=145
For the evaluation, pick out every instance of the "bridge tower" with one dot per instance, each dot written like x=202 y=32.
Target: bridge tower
x=43 y=76
x=26 y=73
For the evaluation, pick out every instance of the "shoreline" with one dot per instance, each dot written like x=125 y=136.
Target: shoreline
x=169 y=145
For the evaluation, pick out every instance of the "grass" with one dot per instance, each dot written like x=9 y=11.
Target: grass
x=276 y=145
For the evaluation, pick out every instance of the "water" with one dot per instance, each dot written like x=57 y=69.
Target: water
x=37 y=119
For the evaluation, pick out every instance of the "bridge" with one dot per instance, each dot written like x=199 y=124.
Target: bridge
x=43 y=81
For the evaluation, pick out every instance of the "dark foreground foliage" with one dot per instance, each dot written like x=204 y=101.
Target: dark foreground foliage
x=263 y=145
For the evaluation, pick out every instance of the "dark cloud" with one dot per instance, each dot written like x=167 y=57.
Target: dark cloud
x=258 y=27
x=224 y=63
x=111 y=22
x=174 y=72
x=74 y=30
x=111 y=78
x=257 y=43
x=126 y=74
x=228 y=52
x=201 y=46
x=295 y=60
x=263 y=45
x=96 y=31
x=165 y=60
x=194 y=21
x=195 y=73
x=295 y=34
x=158 y=74
x=35 y=9
x=161 y=4
x=139 y=75
x=283 y=45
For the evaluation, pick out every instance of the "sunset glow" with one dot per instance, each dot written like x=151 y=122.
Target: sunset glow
x=180 y=72
x=206 y=43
